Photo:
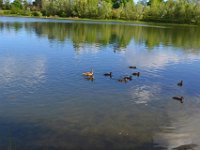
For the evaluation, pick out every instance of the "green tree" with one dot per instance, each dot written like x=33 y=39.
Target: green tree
x=38 y=3
x=17 y=4
x=105 y=10
x=128 y=11
x=79 y=8
x=119 y=3
x=25 y=4
x=154 y=2
x=92 y=8
x=6 y=4
x=155 y=10
x=1 y=4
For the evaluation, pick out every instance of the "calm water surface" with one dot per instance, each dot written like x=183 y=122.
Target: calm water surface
x=46 y=103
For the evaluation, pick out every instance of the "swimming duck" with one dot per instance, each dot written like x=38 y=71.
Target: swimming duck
x=128 y=78
x=180 y=83
x=132 y=67
x=91 y=73
x=179 y=98
x=124 y=80
x=136 y=74
x=108 y=74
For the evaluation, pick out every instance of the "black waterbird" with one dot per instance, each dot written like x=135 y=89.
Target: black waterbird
x=108 y=74
x=136 y=74
x=178 y=98
x=180 y=83
x=132 y=67
x=123 y=80
x=128 y=78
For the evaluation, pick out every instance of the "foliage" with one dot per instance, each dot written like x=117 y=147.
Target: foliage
x=17 y=4
x=1 y=13
x=174 y=11
x=1 y=4
x=36 y=13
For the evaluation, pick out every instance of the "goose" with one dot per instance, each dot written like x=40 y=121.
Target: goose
x=91 y=73
x=180 y=83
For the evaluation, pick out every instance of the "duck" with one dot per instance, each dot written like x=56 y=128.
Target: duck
x=132 y=67
x=179 y=98
x=128 y=78
x=180 y=83
x=91 y=73
x=124 y=80
x=136 y=74
x=108 y=74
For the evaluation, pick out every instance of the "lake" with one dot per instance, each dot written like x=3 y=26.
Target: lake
x=47 y=104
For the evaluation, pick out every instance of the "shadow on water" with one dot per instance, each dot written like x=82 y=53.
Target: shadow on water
x=23 y=136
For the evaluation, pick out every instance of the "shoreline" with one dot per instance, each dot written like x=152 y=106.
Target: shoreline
x=104 y=20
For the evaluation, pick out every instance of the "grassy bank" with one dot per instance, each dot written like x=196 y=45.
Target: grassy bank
x=159 y=11
x=36 y=14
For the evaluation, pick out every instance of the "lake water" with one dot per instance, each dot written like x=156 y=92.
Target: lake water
x=46 y=103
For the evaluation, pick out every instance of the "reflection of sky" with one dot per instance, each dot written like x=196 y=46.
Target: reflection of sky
x=29 y=72
x=184 y=128
x=144 y=93
x=159 y=57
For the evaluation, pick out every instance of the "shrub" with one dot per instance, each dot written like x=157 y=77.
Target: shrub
x=37 y=13
x=1 y=12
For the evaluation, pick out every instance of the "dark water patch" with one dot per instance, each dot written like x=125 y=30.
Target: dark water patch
x=19 y=135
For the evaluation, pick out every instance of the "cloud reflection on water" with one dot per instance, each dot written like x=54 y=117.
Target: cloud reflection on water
x=183 y=130
x=159 y=58
x=27 y=72
x=144 y=94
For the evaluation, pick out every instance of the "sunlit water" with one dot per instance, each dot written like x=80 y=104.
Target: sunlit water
x=46 y=103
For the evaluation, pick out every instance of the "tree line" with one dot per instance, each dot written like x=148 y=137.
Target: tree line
x=174 y=11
